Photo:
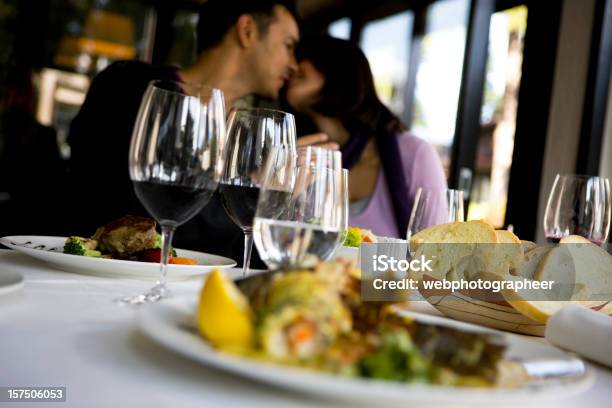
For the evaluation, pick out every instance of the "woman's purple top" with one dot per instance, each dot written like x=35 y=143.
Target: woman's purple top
x=422 y=168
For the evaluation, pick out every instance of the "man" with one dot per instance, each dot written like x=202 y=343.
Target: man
x=244 y=47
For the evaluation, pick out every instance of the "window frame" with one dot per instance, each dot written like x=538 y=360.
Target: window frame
x=597 y=89
x=532 y=119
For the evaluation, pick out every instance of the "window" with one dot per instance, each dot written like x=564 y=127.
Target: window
x=84 y=39
x=340 y=28
x=386 y=43
x=438 y=78
x=90 y=37
x=498 y=116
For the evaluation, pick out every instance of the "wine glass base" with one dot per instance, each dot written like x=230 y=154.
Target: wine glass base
x=157 y=293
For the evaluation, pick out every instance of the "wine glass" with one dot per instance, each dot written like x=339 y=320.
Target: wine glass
x=344 y=205
x=435 y=206
x=578 y=205
x=297 y=222
x=252 y=132
x=175 y=160
x=319 y=157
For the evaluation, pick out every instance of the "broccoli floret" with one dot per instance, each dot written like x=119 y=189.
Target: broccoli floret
x=353 y=237
x=158 y=245
x=396 y=358
x=81 y=246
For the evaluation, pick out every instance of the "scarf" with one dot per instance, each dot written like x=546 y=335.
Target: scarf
x=391 y=160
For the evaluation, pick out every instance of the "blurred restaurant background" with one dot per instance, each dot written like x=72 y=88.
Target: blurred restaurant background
x=510 y=92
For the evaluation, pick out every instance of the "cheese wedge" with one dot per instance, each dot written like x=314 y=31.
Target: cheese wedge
x=540 y=305
x=582 y=273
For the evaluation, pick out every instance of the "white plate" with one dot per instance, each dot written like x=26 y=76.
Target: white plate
x=10 y=281
x=171 y=324
x=49 y=250
x=351 y=253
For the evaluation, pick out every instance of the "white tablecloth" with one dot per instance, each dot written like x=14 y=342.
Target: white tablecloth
x=63 y=329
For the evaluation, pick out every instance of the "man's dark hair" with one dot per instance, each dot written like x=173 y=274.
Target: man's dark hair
x=218 y=16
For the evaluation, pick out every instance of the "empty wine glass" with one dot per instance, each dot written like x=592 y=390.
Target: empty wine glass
x=297 y=222
x=251 y=134
x=578 y=205
x=435 y=206
x=175 y=159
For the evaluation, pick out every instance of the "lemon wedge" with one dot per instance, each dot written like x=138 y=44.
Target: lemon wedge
x=224 y=315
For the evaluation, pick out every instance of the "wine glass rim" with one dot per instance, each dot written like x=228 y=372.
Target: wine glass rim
x=320 y=169
x=255 y=110
x=580 y=176
x=317 y=150
x=307 y=154
x=440 y=190
x=200 y=85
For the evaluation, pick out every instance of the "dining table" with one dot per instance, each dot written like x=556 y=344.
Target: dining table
x=63 y=329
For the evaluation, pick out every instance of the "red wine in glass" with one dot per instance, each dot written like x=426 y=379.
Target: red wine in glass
x=578 y=205
x=172 y=204
x=251 y=134
x=174 y=160
x=240 y=203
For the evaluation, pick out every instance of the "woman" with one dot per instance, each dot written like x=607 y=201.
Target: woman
x=334 y=91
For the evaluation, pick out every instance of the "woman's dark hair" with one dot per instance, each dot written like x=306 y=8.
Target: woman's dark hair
x=217 y=16
x=348 y=92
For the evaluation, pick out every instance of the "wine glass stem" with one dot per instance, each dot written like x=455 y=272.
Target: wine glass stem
x=166 y=242
x=248 y=247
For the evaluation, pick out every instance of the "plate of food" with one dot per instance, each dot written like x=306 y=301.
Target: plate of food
x=577 y=270
x=126 y=248
x=355 y=236
x=309 y=331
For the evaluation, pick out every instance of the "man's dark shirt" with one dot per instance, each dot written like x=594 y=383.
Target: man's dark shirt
x=34 y=175
x=102 y=191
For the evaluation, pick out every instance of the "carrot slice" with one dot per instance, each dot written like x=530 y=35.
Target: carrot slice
x=177 y=260
x=367 y=239
x=301 y=332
